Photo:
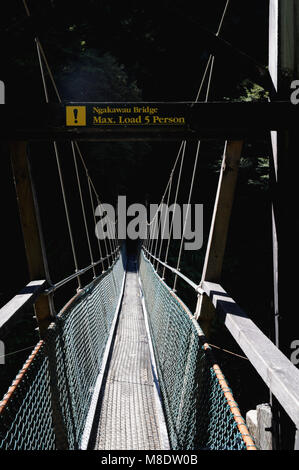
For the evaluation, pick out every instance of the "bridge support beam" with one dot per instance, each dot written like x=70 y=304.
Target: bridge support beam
x=284 y=68
x=219 y=228
x=31 y=227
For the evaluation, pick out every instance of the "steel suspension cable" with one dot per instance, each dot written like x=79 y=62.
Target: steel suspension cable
x=164 y=225
x=165 y=191
x=149 y=240
x=211 y=62
x=91 y=182
x=42 y=55
x=109 y=230
x=92 y=186
x=94 y=218
x=155 y=235
x=67 y=213
x=49 y=71
x=183 y=146
x=105 y=243
x=111 y=239
x=187 y=213
x=222 y=17
x=175 y=202
x=196 y=158
x=83 y=208
x=209 y=68
x=59 y=170
x=155 y=219
x=211 y=57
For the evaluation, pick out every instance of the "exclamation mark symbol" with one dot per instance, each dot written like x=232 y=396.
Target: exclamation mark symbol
x=75 y=115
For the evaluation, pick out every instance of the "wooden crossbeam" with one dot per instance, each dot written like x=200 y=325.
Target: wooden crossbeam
x=144 y=121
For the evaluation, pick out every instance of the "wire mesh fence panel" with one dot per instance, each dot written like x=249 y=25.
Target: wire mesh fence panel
x=25 y=413
x=48 y=403
x=84 y=332
x=197 y=412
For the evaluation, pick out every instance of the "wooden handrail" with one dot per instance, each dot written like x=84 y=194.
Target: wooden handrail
x=26 y=296
x=277 y=371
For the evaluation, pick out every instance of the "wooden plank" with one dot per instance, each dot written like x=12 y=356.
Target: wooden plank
x=29 y=217
x=282 y=69
x=2 y=92
x=265 y=426
x=219 y=228
x=279 y=374
x=10 y=311
x=260 y=426
x=222 y=211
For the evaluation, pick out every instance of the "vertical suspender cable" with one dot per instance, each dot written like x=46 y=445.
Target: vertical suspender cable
x=175 y=202
x=42 y=57
x=211 y=65
x=110 y=232
x=187 y=213
x=148 y=242
x=105 y=243
x=67 y=214
x=94 y=218
x=59 y=170
x=157 y=227
x=83 y=209
x=163 y=231
x=38 y=46
x=110 y=238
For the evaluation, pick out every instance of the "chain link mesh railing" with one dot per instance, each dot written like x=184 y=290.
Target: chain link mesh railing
x=199 y=409
x=47 y=405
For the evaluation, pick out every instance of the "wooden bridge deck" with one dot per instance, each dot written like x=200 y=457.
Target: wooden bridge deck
x=129 y=415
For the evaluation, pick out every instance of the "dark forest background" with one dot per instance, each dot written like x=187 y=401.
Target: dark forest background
x=140 y=51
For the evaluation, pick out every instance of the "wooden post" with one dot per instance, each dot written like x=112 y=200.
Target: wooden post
x=2 y=92
x=29 y=217
x=259 y=423
x=284 y=68
x=2 y=353
x=219 y=229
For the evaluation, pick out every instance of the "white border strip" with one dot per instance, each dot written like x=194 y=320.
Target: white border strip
x=157 y=391
x=95 y=396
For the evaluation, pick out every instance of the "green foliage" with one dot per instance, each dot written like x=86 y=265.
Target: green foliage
x=255 y=171
x=254 y=167
x=262 y=173
x=250 y=91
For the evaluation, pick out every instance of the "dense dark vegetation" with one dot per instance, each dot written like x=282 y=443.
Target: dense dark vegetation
x=151 y=51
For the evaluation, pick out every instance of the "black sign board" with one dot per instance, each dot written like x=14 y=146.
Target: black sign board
x=144 y=121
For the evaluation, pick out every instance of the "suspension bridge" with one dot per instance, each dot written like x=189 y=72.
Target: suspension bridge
x=125 y=364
